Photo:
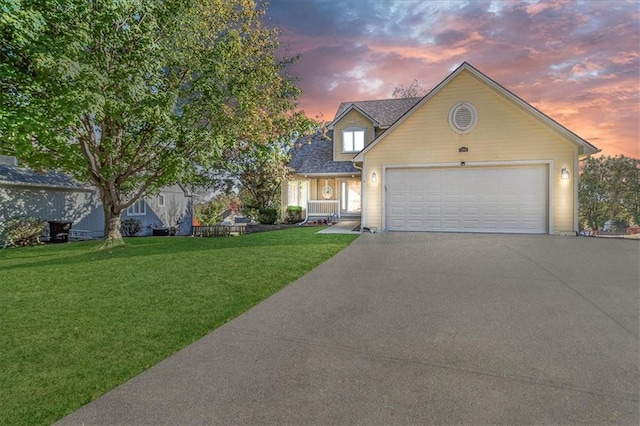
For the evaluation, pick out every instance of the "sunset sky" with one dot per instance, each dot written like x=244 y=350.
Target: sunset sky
x=576 y=61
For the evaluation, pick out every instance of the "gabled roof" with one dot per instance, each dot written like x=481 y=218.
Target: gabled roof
x=586 y=147
x=18 y=176
x=313 y=155
x=383 y=112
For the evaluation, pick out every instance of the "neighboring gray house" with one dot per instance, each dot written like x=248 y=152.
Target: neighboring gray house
x=56 y=196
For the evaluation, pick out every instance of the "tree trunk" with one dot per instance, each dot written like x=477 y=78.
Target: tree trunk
x=112 y=234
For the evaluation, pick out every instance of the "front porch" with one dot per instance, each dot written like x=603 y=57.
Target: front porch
x=337 y=197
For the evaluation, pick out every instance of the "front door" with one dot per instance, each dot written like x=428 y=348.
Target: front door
x=350 y=197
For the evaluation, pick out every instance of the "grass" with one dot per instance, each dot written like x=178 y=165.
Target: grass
x=76 y=321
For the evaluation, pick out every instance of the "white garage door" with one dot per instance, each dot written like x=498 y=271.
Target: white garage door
x=467 y=199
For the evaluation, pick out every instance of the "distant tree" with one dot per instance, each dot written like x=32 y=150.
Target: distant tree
x=609 y=189
x=592 y=193
x=262 y=169
x=624 y=187
x=257 y=171
x=133 y=95
x=210 y=213
x=413 y=90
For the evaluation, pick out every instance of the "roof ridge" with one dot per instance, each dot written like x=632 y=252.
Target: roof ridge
x=383 y=99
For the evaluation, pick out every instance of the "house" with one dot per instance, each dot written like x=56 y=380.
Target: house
x=53 y=196
x=470 y=156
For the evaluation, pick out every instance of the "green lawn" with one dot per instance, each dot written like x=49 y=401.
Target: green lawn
x=75 y=321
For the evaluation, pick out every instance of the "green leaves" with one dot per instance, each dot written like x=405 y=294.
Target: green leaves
x=609 y=188
x=133 y=95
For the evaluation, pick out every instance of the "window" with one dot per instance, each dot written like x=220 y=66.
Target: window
x=297 y=195
x=139 y=208
x=161 y=200
x=353 y=140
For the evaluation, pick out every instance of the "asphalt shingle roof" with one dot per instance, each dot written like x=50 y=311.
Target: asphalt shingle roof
x=314 y=154
x=14 y=175
x=384 y=111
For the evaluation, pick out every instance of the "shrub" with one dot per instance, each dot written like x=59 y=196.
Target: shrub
x=21 y=231
x=293 y=214
x=267 y=216
x=130 y=227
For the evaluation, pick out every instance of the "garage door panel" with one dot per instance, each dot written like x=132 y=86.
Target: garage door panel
x=451 y=224
x=509 y=198
x=496 y=199
x=489 y=224
x=470 y=198
x=450 y=198
x=530 y=224
x=415 y=198
x=451 y=210
x=471 y=224
x=489 y=211
x=510 y=210
x=397 y=211
x=488 y=198
x=414 y=185
x=415 y=224
x=397 y=199
x=473 y=211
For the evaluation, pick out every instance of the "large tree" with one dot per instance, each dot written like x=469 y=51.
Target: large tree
x=609 y=188
x=592 y=193
x=624 y=187
x=132 y=95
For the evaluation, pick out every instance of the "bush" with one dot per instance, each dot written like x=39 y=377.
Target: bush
x=293 y=214
x=267 y=216
x=21 y=231
x=130 y=227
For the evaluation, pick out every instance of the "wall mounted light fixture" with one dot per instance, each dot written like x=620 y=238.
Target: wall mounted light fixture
x=564 y=173
x=374 y=177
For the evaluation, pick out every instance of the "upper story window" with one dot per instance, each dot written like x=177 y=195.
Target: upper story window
x=160 y=200
x=139 y=208
x=353 y=140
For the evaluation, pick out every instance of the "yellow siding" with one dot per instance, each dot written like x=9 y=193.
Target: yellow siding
x=504 y=132
x=319 y=185
x=352 y=119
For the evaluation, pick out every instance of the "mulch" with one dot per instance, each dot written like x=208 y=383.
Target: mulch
x=252 y=229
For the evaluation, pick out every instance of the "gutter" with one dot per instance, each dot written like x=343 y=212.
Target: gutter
x=585 y=156
x=29 y=185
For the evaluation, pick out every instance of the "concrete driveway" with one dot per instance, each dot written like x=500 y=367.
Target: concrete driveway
x=416 y=328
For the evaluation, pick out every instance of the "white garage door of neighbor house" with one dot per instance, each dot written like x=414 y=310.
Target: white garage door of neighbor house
x=467 y=199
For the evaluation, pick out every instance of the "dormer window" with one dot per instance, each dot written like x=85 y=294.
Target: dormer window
x=352 y=140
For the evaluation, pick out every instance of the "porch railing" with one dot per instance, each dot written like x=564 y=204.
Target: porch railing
x=323 y=207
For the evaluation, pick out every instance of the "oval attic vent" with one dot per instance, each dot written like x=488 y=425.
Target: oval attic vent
x=462 y=117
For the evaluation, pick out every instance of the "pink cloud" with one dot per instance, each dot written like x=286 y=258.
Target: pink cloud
x=577 y=62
